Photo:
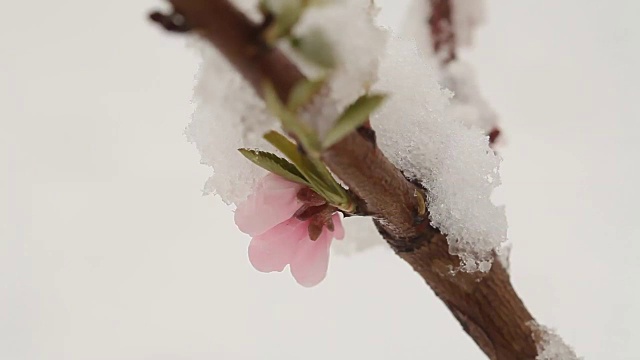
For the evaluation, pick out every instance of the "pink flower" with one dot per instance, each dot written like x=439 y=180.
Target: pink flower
x=279 y=238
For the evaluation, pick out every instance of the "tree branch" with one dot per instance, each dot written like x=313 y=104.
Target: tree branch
x=486 y=305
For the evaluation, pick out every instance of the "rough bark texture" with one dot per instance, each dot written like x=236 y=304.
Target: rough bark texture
x=486 y=305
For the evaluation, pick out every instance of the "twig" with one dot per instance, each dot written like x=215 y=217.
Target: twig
x=486 y=306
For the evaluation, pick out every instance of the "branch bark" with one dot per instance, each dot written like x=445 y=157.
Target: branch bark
x=486 y=305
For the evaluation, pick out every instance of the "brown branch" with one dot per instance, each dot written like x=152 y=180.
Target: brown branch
x=486 y=306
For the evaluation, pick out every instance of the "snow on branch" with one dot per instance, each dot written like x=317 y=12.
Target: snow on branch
x=229 y=115
x=415 y=129
x=454 y=163
x=440 y=28
x=425 y=178
x=550 y=344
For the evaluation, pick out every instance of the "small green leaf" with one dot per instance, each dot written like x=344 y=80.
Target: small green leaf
x=315 y=48
x=290 y=150
x=272 y=100
x=352 y=118
x=306 y=166
x=286 y=146
x=314 y=171
x=303 y=92
x=303 y=133
x=286 y=16
x=275 y=164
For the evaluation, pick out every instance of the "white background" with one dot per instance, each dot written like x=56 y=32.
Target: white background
x=109 y=251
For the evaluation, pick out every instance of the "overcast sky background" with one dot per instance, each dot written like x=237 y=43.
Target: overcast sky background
x=109 y=251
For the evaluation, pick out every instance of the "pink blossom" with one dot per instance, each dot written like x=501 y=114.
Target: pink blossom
x=279 y=238
x=273 y=201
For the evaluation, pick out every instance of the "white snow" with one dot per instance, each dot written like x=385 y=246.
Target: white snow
x=551 y=346
x=357 y=43
x=417 y=28
x=228 y=115
x=467 y=105
x=504 y=255
x=249 y=8
x=454 y=163
x=467 y=16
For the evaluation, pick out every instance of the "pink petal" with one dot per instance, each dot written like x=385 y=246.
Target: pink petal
x=274 y=249
x=275 y=182
x=311 y=260
x=338 y=229
x=272 y=202
x=244 y=214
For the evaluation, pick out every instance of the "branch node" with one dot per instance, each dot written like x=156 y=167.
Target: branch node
x=406 y=245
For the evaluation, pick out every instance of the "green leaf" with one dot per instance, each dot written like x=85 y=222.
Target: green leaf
x=352 y=118
x=303 y=133
x=290 y=150
x=307 y=167
x=286 y=15
x=303 y=92
x=275 y=164
x=336 y=194
x=315 y=48
x=272 y=100
x=286 y=146
x=316 y=173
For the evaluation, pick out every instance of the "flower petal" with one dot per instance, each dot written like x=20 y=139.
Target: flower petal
x=338 y=228
x=272 y=202
x=311 y=260
x=274 y=249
